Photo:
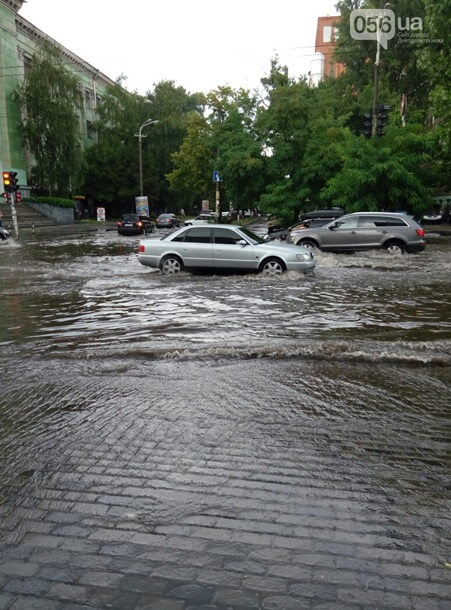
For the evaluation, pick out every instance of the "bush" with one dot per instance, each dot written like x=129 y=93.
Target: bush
x=58 y=201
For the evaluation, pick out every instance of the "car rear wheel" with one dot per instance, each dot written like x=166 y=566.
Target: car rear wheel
x=171 y=264
x=272 y=266
x=307 y=243
x=395 y=247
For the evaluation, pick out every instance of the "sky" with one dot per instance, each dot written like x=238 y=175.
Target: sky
x=198 y=44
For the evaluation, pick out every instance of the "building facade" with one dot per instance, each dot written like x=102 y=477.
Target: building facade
x=323 y=65
x=19 y=40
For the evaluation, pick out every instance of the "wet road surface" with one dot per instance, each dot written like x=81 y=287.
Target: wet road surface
x=222 y=441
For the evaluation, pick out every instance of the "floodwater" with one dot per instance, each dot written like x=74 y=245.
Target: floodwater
x=99 y=352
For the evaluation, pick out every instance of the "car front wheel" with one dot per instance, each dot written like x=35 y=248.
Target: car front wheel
x=394 y=247
x=272 y=266
x=171 y=264
x=307 y=243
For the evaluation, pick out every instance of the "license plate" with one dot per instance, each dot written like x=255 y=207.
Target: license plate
x=128 y=224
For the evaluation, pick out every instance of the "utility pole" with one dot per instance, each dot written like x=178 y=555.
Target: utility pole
x=14 y=214
x=376 y=81
x=387 y=5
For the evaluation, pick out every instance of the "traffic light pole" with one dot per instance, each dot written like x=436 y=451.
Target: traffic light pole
x=14 y=214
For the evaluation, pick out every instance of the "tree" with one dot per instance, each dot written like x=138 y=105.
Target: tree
x=283 y=121
x=384 y=174
x=172 y=106
x=48 y=100
x=193 y=163
x=438 y=24
x=112 y=166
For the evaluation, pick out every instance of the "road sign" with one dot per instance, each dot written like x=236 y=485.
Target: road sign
x=216 y=177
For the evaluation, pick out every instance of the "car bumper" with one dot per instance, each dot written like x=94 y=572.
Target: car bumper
x=302 y=266
x=416 y=247
x=148 y=260
x=130 y=231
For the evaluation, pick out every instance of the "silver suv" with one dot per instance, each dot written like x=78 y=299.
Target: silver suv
x=396 y=233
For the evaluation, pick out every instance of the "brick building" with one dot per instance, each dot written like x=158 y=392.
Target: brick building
x=324 y=66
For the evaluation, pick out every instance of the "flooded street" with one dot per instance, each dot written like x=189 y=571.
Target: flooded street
x=222 y=441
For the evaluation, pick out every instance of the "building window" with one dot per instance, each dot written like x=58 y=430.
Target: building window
x=327 y=33
x=90 y=131
x=89 y=97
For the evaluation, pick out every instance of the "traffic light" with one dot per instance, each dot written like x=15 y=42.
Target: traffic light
x=382 y=119
x=14 y=185
x=18 y=197
x=10 y=182
x=367 y=124
x=5 y=197
x=7 y=181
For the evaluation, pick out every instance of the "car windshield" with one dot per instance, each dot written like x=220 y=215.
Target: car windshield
x=255 y=239
x=130 y=217
x=166 y=215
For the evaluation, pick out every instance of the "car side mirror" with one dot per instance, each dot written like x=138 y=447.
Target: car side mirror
x=242 y=242
x=333 y=226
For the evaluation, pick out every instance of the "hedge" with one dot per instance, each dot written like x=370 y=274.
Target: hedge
x=58 y=201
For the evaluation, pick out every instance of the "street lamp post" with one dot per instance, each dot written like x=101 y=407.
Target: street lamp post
x=140 y=137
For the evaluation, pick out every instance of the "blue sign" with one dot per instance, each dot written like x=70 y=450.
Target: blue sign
x=216 y=177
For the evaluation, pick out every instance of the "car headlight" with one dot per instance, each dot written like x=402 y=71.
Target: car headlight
x=304 y=257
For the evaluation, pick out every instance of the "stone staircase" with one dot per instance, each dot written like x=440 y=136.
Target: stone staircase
x=27 y=217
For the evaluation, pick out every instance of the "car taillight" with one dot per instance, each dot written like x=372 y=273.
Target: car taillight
x=420 y=232
x=140 y=224
x=141 y=248
x=119 y=223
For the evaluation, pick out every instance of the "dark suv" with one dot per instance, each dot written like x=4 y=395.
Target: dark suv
x=134 y=224
x=396 y=233
x=315 y=218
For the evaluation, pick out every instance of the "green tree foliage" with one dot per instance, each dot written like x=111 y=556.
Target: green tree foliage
x=389 y=173
x=222 y=139
x=284 y=123
x=48 y=100
x=190 y=178
x=171 y=106
x=112 y=165
x=435 y=59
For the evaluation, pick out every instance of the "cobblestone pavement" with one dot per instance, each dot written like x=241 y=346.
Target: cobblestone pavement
x=178 y=505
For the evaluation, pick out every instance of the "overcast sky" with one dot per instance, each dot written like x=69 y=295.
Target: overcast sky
x=199 y=44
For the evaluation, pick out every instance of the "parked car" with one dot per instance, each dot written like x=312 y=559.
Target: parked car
x=432 y=218
x=315 y=218
x=202 y=219
x=134 y=224
x=167 y=221
x=220 y=246
x=396 y=233
x=4 y=234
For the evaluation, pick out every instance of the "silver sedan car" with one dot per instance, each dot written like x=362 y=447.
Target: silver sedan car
x=222 y=247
